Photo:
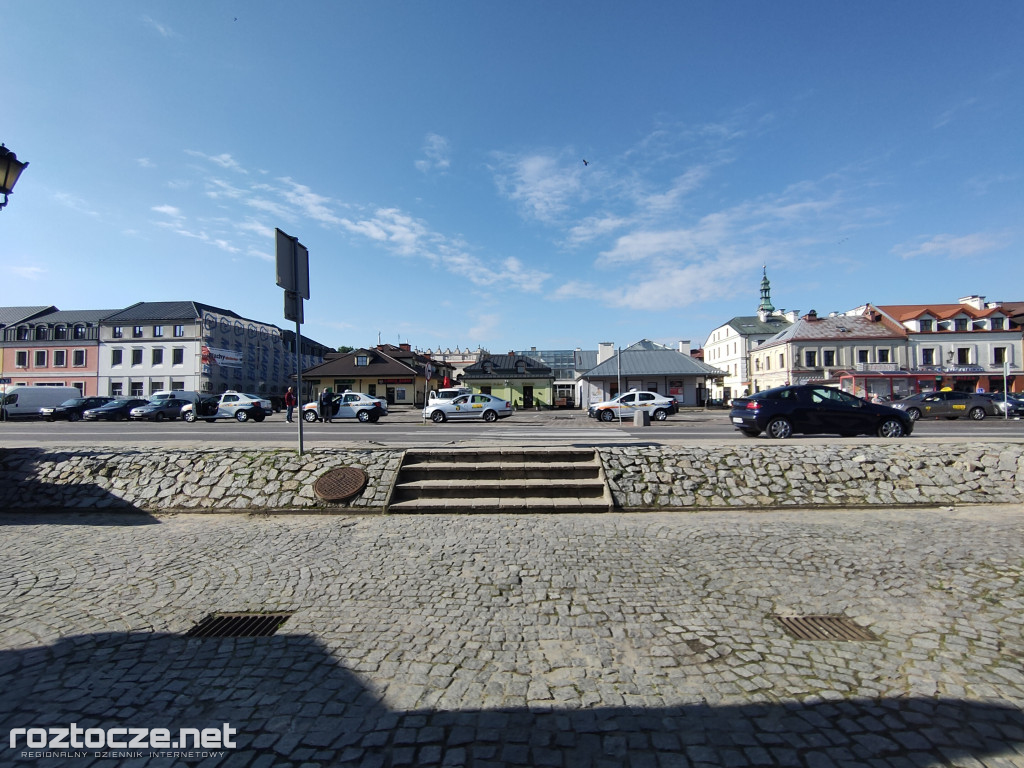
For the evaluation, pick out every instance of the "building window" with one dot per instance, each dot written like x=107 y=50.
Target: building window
x=782 y=361
x=136 y=357
x=158 y=357
x=78 y=358
x=40 y=358
x=116 y=357
x=116 y=389
x=177 y=356
x=137 y=332
x=863 y=356
x=963 y=356
x=829 y=358
x=60 y=358
x=997 y=323
x=135 y=389
x=79 y=332
x=928 y=356
x=179 y=331
x=23 y=333
x=362 y=360
x=927 y=326
x=42 y=333
x=999 y=356
x=158 y=331
x=810 y=358
x=177 y=386
x=118 y=332
x=960 y=324
x=21 y=358
x=60 y=332
x=155 y=386
x=883 y=355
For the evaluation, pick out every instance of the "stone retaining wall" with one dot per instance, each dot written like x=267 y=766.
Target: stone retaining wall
x=777 y=475
x=641 y=477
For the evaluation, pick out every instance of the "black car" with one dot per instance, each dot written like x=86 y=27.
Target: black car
x=810 y=410
x=72 y=409
x=115 y=410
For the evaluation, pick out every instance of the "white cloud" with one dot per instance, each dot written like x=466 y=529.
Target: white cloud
x=75 y=203
x=540 y=184
x=161 y=29
x=145 y=162
x=28 y=273
x=484 y=326
x=224 y=160
x=952 y=246
x=168 y=210
x=438 y=154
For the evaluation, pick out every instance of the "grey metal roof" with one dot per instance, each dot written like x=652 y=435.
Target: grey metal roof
x=835 y=328
x=71 y=316
x=14 y=315
x=647 y=358
x=168 y=310
x=504 y=367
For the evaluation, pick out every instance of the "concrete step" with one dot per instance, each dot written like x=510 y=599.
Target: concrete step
x=501 y=480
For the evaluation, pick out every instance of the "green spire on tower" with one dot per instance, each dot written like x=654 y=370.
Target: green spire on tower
x=766 y=290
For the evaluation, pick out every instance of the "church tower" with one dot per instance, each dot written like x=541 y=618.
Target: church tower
x=765 y=310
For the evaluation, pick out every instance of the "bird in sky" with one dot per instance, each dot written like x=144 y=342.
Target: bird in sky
x=585 y=162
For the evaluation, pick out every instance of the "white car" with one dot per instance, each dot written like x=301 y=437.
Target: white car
x=231 y=405
x=486 y=407
x=447 y=394
x=350 y=405
x=625 y=405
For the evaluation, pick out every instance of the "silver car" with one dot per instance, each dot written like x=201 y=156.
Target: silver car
x=951 y=405
x=486 y=407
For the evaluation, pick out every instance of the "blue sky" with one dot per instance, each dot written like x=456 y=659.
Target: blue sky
x=430 y=155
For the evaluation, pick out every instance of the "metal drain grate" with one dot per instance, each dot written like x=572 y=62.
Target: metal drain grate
x=823 y=628
x=239 y=625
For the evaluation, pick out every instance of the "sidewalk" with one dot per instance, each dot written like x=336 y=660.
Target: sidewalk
x=557 y=640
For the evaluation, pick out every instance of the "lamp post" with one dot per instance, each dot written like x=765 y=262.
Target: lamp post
x=10 y=170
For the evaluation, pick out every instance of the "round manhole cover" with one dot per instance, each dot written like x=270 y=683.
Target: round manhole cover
x=340 y=484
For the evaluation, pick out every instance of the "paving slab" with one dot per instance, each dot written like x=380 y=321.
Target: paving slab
x=533 y=640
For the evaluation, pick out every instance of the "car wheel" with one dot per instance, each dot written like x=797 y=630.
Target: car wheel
x=310 y=416
x=891 y=428
x=258 y=417
x=779 y=428
x=914 y=414
x=242 y=416
x=75 y=417
x=607 y=415
x=158 y=416
x=490 y=416
x=363 y=416
x=660 y=415
x=438 y=417
x=189 y=416
x=751 y=432
x=977 y=413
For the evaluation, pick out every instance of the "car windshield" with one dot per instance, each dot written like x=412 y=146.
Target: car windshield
x=73 y=401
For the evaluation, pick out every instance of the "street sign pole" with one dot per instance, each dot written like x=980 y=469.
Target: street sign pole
x=293 y=276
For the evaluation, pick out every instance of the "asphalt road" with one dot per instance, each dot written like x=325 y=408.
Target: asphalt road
x=407 y=428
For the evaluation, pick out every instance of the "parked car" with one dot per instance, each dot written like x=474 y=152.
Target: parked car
x=115 y=410
x=625 y=405
x=72 y=409
x=951 y=405
x=486 y=407
x=158 y=410
x=1009 y=405
x=807 y=409
x=349 y=405
x=231 y=405
x=447 y=394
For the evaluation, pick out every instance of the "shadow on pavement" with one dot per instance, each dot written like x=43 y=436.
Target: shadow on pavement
x=293 y=704
x=36 y=502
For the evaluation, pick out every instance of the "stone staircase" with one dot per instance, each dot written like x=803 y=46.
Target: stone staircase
x=501 y=480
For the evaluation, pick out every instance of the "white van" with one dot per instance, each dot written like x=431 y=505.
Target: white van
x=24 y=400
x=447 y=394
x=175 y=394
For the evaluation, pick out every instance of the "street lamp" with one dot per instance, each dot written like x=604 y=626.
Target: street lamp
x=10 y=170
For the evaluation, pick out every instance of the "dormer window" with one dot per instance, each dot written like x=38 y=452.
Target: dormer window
x=362 y=360
x=997 y=323
x=520 y=367
x=488 y=367
x=960 y=324
x=927 y=326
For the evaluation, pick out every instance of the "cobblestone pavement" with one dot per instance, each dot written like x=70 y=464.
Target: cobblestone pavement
x=560 y=640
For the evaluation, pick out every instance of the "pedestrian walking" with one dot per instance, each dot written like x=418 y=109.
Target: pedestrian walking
x=326 y=405
x=289 y=403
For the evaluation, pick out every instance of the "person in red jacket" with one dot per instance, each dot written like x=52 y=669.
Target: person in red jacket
x=290 y=401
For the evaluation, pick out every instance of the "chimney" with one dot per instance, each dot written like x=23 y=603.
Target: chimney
x=812 y=315
x=975 y=301
x=684 y=346
x=405 y=347
x=605 y=351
